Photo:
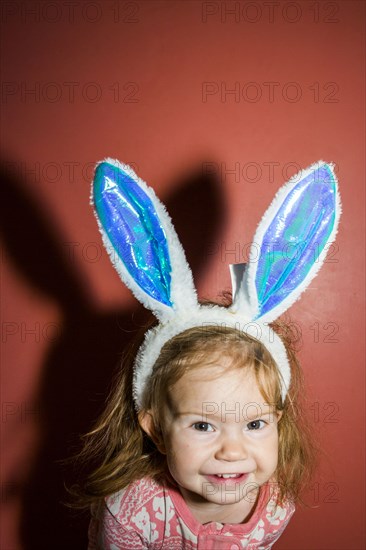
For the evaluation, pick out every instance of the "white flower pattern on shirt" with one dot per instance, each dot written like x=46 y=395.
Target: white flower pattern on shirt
x=147 y=527
x=259 y=532
x=159 y=506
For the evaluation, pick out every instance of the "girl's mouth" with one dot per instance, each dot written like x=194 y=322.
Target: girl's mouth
x=227 y=479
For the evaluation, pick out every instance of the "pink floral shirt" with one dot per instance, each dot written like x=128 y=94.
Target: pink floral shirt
x=147 y=515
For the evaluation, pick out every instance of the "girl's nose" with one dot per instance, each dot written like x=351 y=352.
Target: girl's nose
x=231 y=448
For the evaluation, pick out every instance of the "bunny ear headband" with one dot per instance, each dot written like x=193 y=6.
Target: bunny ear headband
x=289 y=247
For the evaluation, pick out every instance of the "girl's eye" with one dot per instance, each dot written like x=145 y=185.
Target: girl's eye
x=203 y=427
x=256 y=425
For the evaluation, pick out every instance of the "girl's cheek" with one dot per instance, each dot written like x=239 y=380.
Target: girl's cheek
x=267 y=434
x=180 y=441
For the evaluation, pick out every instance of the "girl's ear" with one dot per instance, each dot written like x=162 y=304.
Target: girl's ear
x=146 y=421
x=279 y=415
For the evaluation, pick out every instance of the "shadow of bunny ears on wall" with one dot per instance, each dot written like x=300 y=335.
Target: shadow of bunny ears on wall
x=289 y=247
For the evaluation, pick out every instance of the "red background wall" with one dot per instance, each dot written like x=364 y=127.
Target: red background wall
x=149 y=83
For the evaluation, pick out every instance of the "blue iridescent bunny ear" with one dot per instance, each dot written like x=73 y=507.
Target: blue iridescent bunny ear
x=141 y=240
x=290 y=244
x=289 y=248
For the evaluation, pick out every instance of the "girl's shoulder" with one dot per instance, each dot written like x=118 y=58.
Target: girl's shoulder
x=131 y=499
x=275 y=515
x=134 y=516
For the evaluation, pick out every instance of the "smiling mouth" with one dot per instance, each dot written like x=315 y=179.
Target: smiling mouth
x=227 y=478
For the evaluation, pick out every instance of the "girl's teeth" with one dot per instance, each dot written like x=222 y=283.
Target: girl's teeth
x=228 y=475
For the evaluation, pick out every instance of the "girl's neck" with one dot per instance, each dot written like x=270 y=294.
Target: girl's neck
x=206 y=512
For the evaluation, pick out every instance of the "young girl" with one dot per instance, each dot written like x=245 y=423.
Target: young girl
x=201 y=445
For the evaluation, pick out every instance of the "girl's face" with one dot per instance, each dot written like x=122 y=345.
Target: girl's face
x=221 y=440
